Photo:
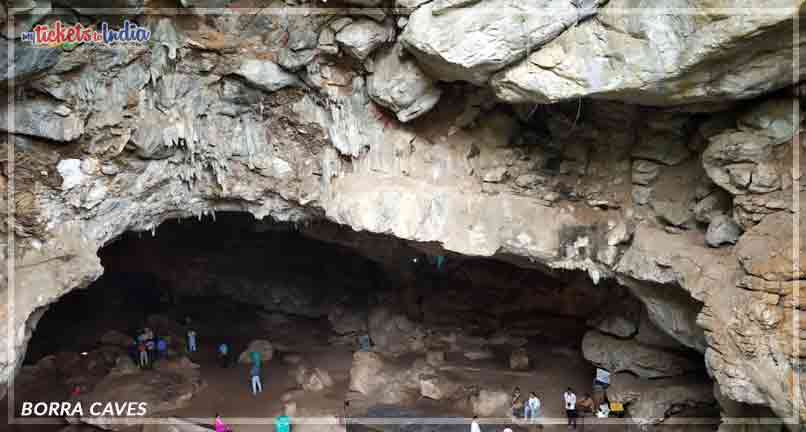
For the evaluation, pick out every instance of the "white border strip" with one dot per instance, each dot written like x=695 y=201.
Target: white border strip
x=754 y=12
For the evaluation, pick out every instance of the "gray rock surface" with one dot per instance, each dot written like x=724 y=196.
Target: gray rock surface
x=360 y=38
x=399 y=84
x=266 y=75
x=470 y=43
x=676 y=68
x=722 y=230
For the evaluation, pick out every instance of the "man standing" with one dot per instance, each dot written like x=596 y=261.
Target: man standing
x=191 y=340
x=571 y=407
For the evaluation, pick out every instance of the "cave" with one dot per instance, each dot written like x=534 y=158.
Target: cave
x=450 y=335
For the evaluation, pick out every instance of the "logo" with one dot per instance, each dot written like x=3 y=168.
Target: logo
x=58 y=34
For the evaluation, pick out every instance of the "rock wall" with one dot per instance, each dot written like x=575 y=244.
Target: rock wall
x=652 y=150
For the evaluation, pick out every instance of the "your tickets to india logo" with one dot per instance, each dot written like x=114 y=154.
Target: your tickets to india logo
x=58 y=34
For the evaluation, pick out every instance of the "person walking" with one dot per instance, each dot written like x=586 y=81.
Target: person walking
x=570 y=399
x=257 y=386
x=191 y=340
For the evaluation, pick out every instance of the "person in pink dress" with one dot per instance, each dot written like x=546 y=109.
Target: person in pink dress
x=220 y=426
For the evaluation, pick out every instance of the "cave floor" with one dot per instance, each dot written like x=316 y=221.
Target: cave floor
x=228 y=390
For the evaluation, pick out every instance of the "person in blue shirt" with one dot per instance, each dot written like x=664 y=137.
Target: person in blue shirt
x=223 y=355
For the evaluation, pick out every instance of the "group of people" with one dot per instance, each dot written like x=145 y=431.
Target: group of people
x=531 y=408
x=148 y=348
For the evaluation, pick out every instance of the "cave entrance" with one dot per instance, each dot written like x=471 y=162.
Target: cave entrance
x=450 y=334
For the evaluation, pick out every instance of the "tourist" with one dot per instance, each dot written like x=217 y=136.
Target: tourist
x=143 y=355
x=532 y=413
x=162 y=347
x=517 y=403
x=474 y=425
x=570 y=399
x=254 y=356
x=616 y=409
x=220 y=426
x=257 y=386
x=223 y=355
x=191 y=340
x=364 y=343
x=151 y=347
x=585 y=406
x=283 y=422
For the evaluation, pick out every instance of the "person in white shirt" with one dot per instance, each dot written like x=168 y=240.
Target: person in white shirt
x=474 y=425
x=570 y=399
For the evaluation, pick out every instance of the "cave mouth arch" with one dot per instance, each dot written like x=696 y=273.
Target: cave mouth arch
x=311 y=290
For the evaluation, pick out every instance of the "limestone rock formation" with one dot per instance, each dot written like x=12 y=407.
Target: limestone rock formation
x=312 y=379
x=393 y=333
x=675 y=69
x=469 y=40
x=399 y=84
x=617 y=355
x=651 y=402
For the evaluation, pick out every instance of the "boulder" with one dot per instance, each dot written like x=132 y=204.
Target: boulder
x=470 y=40
x=385 y=380
x=266 y=75
x=618 y=355
x=491 y=403
x=653 y=401
x=617 y=325
x=312 y=379
x=519 y=359
x=722 y=230
x=393 y=333
x=435 y=358
x=660 y=62
x=438 y=387
x=124 y=365
x=716 y=203
x=116 y=338
x=361 y=37
x=399 y=84
x=346 y=321
x=263 y=347
x=162 y=391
